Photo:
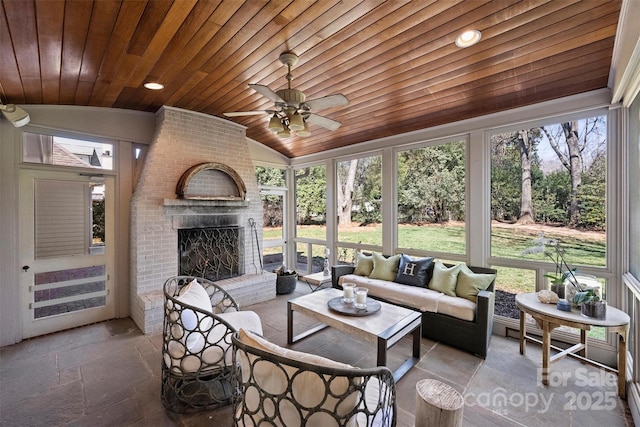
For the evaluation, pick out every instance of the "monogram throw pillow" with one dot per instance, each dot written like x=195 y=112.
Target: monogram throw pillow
x=414 y=272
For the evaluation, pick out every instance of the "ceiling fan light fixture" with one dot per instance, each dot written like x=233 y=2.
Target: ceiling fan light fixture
x=295 y=122
x=285 y=133
x=468 y=38
x=275 y=124
x=304 y=132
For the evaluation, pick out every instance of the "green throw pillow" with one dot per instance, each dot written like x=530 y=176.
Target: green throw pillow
x=470 y=283
x=444 y=278
x=364 y=264
x=384 y=268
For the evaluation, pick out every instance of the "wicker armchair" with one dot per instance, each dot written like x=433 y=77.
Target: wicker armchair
x=282 y=387
x=199 y=318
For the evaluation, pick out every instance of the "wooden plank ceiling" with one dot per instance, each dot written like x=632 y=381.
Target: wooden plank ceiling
x=395 y=60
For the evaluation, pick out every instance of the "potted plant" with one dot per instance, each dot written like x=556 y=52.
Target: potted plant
x=563 y=271
x=591 y=305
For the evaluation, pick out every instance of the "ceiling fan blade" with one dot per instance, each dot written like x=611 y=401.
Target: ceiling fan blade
x=267 y=93
x=328 y=101
x=245 y=113
x=326 y=123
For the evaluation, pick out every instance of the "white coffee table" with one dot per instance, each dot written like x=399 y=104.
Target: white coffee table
x=383 y=328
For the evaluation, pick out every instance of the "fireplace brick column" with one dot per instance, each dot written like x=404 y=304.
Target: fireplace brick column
x=183 y=139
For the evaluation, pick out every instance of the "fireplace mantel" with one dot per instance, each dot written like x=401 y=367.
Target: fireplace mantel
x=188 y=206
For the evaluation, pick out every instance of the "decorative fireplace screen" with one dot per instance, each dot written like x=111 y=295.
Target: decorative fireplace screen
x=213 y=253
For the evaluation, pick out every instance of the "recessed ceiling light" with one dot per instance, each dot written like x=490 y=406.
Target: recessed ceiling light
x=468 y=38
x=153 y=86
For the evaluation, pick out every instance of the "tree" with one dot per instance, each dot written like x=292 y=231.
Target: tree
x=273 y=177
x=311 y=195
x=571 y=160
x=525 y=144
x=431 y=184
x=505 y=165
x=346 y=179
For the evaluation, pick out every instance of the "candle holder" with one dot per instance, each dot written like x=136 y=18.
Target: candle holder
x=361 y=298
x=347 y=293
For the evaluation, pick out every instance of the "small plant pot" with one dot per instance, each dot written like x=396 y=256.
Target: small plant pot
x=286 y=283
x=595 y=309
x=559 y=290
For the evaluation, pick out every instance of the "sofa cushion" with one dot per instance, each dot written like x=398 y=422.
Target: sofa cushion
x=422 y=299
x=460 y=308
x=444 y=278
x=469 y=284
x=308 y=388
x=414 y=272
x=384 y=268
x=364 y=264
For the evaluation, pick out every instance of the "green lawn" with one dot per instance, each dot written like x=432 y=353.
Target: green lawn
x=508 y=242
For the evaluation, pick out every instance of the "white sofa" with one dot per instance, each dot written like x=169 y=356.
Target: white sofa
x=456 y=301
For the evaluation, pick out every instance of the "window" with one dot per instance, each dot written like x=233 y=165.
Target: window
x=55 y=150
x=548 y=203
x=272 y=183
x=359 y=200
x=431 y=198
x=311 y=202
x=552 y=180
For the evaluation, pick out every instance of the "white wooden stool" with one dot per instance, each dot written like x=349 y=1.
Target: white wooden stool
x=438 y=404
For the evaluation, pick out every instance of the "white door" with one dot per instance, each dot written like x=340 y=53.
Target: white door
x=66 y=250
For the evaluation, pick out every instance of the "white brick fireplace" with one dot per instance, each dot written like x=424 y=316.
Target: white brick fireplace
x=184 y=139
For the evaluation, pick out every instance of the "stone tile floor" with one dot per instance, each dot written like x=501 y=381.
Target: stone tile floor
x=108 y=374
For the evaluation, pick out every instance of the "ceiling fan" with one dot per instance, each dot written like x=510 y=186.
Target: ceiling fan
x=292 y=111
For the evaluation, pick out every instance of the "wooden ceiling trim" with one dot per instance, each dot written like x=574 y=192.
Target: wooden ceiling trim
x=192 y=35
x=129 y=16
x=103 y=19
x=368 y=48
x=415 y=52
x=256 y=70
x=49 y=19
x=173 y=77
x=10 y=88
x=168 y=28
x=436 y=91
x=332 y=65
x=20 y=22
x=175 y=93
x=491 y=87
x=150 y=20
x=75 y=30
x=271 y=50
x=257 y=58
x=525 y=37
x=438 y=76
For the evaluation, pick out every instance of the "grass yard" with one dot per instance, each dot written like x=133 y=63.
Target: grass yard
x=507 y=240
